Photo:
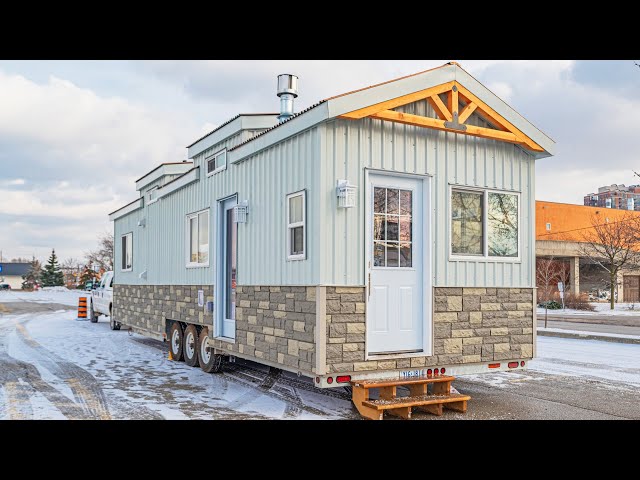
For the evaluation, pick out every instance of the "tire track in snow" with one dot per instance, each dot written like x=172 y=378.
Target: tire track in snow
x=86 y=389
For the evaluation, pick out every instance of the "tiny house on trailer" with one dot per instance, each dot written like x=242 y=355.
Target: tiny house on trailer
x=385 y=233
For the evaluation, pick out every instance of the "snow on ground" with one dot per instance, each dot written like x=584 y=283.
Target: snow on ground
x=59 y=295
x=53 y=366
x=601 y=309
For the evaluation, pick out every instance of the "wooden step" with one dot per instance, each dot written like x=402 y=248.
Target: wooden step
x=402 y=406
x=395 y=382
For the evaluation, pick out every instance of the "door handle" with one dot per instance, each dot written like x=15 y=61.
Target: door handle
x=369 y=297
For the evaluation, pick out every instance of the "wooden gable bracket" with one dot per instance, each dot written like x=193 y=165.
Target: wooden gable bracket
x=450 y=117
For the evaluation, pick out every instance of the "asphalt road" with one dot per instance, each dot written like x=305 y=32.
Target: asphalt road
x=53 y=367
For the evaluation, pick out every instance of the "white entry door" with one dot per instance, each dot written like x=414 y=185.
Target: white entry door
x=396 y=241
x=226 y=266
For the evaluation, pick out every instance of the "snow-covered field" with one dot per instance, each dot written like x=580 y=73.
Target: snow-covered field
x=58 y=295
x=601 y=309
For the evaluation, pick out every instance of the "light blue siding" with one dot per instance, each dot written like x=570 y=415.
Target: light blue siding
x=264 y=180
x=452 y=159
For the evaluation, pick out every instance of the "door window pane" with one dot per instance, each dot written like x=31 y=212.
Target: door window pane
x=393 y=204
x=392 y=223
x=466 y=222
x=231 y=264
x=502 y=223
x=379 y=200
x=405 y=254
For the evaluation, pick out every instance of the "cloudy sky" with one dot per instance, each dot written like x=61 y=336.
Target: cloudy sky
x=74 y=135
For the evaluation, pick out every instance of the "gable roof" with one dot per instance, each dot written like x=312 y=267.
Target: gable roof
x=511 y=126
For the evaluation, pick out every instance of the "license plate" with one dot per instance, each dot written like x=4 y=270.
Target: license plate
x=412 y=373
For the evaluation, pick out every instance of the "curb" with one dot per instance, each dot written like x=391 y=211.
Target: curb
x=589 y=336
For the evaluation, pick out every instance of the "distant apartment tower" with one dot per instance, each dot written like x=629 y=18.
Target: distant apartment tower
x=615 y=196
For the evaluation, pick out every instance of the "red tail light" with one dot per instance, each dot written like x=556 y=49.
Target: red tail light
x=494 y=365
x=436 y=371
x=442 y=370
x=429 y=372
x=512 y=364
x=330 y=380
x=343 y=379
x=522 y=363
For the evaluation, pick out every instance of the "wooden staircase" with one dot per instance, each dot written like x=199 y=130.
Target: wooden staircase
x=431 y=400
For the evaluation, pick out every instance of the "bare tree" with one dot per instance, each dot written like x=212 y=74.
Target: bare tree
x=612 y=245
x=103 y=255
x=547 y=275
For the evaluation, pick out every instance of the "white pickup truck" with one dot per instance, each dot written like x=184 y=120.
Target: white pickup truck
x=102 y=301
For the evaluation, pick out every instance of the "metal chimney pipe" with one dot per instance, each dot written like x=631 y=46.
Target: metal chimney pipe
x=287 y=91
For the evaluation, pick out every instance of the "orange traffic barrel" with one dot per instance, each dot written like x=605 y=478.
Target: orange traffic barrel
x=82 y=308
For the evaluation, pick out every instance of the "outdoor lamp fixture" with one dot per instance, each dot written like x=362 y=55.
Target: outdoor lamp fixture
x=240 y=212
x=142 y=222
x=143 y=275
x=346 y=194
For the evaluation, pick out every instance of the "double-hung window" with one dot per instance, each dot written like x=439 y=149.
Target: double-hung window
x=126 y=250
x=296 y=225
x=216 y=162
x=484 y=223
x=198 y=239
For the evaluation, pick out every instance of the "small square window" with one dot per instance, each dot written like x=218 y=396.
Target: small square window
x=548 y=227
x=216 y=162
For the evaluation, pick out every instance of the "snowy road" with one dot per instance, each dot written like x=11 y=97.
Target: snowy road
x=54 y=367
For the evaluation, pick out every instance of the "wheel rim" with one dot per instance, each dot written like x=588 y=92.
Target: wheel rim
x=175 y=341
x=205 y=351
x=189 y=345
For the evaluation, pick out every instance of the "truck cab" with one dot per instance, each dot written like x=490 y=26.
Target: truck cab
x=102 y=301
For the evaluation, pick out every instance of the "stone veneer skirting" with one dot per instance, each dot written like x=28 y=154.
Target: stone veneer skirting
x=277 y=323
x=470 y=325
x=147 y=306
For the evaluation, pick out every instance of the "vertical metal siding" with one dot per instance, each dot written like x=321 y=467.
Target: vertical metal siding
x=451 y=158
x=264 y=180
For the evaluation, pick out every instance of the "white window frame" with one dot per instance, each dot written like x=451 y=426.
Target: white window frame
x=303 y=224
x=484 y=257
x=189 y=263
x=122 y=253
x=215 y=157
x=150 y=198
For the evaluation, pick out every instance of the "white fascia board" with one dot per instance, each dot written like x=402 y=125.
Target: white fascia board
x=161 y=171
x=288 y=129
x=505 y=110
x=178 y=183
x=243 y=122
x=127 y=209
x=387 y=91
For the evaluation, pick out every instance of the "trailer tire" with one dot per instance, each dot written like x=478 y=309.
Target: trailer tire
x=191 y=346
x=209 y=362
x=92 y=313
x=176 y=341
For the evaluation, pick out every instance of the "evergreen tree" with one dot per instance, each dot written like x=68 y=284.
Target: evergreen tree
x=52 y=275
x=33 y=276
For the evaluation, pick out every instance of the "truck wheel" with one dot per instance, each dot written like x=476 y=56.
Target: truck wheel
x=112 y=323
x=190 y=346
x=92 y=314
x=209 y=361
x=175 y=341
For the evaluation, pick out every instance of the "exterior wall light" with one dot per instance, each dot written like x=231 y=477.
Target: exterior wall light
x=346 y=194
x=241 y=211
